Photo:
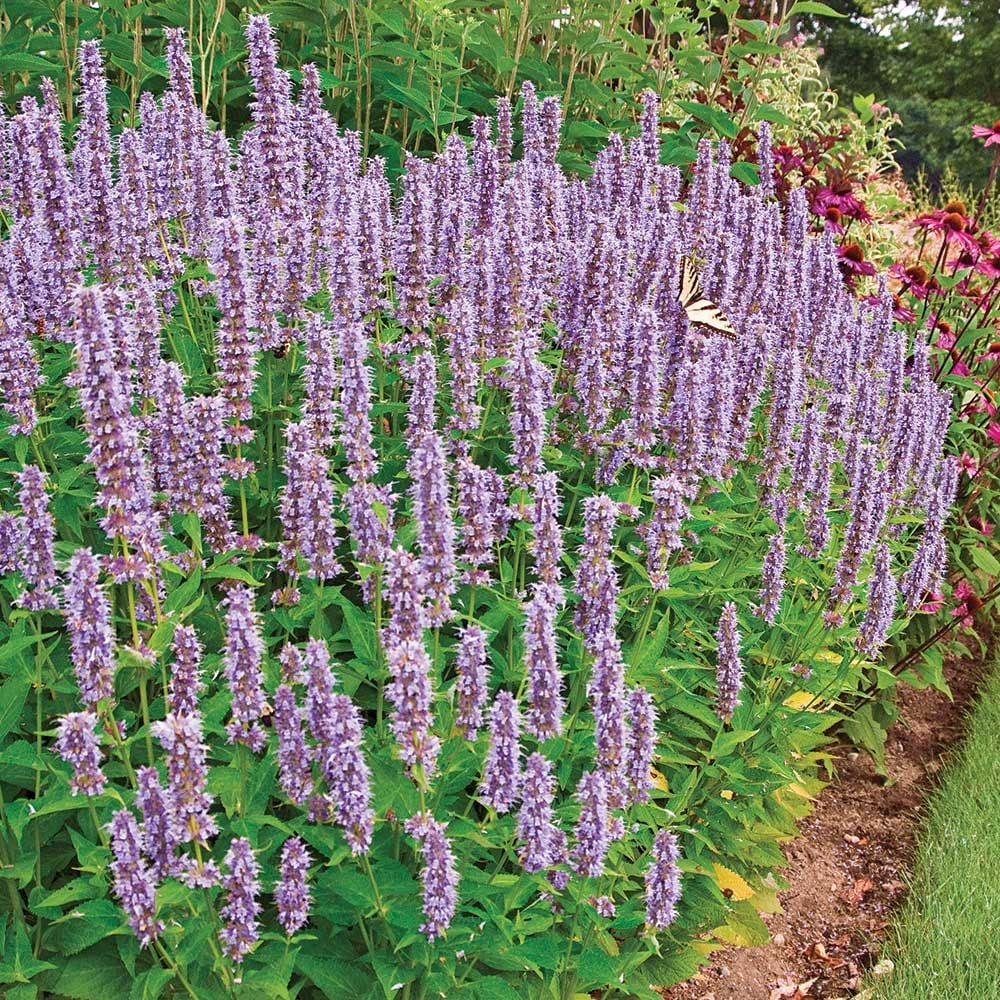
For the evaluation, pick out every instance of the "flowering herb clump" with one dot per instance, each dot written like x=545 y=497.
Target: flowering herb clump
x=401 y=576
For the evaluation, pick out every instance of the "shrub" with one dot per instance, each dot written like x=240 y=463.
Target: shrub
x=352 y=542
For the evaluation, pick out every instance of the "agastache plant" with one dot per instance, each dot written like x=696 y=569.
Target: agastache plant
x=401 y=551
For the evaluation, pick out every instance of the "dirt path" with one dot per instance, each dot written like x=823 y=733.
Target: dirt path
x=847 y=870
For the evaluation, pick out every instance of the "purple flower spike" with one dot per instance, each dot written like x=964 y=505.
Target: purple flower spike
x=607 y=698
x=160 y=835
x=501 y=785
x=240 y=932
x=88 y=620
x=545 y=699
x=181 y=737
x=773 y=578
x=663 y=881
x=435 y=524
x=405 y=592
x=596 y=581
x=640 y=747
x=242 y=666
x=307 y=506
x=38 y=530
x=347 y=776
x=535 y=827
x=185 y=679
x=126 y=492
x=729 y=669
x=78 y=746
x=470 y=687
x=883 y=593
x=439 y=876
x=593 y=829
x=663 y=533
x=547 y=544
x=133 y=881
x=10 y=542
x=411 y=693
x=291 y=894
x=294 y=757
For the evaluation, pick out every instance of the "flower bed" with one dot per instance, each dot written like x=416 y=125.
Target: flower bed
x=404 y=597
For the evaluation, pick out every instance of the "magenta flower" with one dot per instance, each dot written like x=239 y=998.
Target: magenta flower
x=989 y=133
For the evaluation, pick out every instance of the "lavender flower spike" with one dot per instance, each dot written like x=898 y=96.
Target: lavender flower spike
x=242 y=658
x=883 y=593
x=729 y=669
x=470 y=687
x=663 y=881
x=593 y=828
x=640 y=745
x=411 y=694
x=88 y=620
x=535 y=827
x=439 y=876
x=291 y=894
x=37 y=534
x=239 y=932
x=294 y=756
x=185 y=679
x=78 y=746
x=160 y=835
x=501 y=785
x=347 y=775
x=545 y=699
x=180 y=735
x=133 y=880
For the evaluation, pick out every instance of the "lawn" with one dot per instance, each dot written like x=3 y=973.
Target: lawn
x=945 y=945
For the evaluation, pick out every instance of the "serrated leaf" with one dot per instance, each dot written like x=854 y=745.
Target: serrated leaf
x=84 y=926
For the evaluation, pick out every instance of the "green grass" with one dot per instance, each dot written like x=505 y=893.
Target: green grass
x=946 y=945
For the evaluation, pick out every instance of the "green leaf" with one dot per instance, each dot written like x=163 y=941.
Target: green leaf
x=718 y=120
x=13 y=695
x=812 y=7
x=493 y=988
x=25 y=62
x=95 y=974
x=334 y=979
x=84 y=925
x=981 y=556
x=746 y=173
x=149 y=985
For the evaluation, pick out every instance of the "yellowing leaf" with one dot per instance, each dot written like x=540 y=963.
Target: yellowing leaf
x=658 y=779
x=801 y=700
x=828 y=656
x=797 y=789
x=726 y=793
x=738 y=888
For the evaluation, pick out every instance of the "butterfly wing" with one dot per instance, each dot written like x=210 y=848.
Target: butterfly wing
x=700 y=310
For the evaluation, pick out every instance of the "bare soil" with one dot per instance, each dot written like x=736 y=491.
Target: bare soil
x=847 y=871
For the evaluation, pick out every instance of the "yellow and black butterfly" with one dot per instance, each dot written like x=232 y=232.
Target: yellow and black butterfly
x=700 y=310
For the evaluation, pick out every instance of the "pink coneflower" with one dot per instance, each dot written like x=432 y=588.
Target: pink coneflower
x=933 y=603
x=990 y=133
x=993 y=432
x=970 y=602
x=951 y=223
x=914 y=278
x=968 y=465
x=841 y=200
x=852 y=262
x=992 y=352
